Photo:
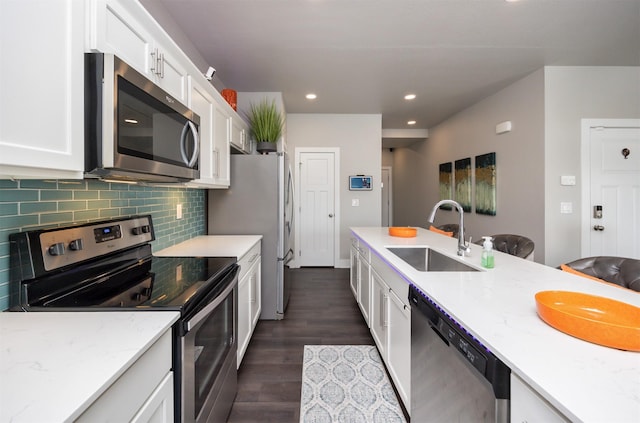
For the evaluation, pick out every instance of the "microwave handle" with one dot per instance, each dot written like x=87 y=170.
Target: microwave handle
x=189 y=126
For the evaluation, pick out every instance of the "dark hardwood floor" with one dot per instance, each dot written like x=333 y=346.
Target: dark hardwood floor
x=321 y=311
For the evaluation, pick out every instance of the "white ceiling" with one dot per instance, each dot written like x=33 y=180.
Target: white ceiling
x=363 y=56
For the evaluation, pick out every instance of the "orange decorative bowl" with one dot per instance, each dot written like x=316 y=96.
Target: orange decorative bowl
x=595 y=319
x=403 y=231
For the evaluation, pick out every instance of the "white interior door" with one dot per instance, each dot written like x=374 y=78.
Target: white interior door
x=612 y=206
x=387 y=198
x=317 y=218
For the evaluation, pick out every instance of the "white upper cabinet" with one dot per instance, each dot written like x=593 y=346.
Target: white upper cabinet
x=42 y=89
x=240 y=135
x=127 y=30
x=214 y=145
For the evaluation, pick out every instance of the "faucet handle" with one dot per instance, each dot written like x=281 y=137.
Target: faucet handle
x=467 y=246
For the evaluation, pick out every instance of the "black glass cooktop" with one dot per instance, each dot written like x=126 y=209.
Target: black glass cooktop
x=152 y=282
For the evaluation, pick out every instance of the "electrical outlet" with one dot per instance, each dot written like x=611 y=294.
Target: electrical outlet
x=355 y=202
x=179 y=211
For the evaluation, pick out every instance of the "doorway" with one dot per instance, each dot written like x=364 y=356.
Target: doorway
x=387 y=196
x=317 y=175
x=611 y=187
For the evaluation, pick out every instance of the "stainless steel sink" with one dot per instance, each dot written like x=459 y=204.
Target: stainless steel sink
x=425 y=259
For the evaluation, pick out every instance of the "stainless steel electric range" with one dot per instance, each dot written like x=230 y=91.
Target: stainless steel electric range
x=109 y=265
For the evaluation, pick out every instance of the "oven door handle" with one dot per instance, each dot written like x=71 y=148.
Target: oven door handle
x=202 y=314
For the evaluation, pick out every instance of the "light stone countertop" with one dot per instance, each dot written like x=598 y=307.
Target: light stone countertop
x=584 y=381
x=54 y=365
x=212 y=246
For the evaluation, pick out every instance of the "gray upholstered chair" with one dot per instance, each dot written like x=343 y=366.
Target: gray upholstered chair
x=618 y=270
x=516 y=245
x=450 y=227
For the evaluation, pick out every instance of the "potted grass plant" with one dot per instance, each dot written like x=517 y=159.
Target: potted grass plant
x=266 y=124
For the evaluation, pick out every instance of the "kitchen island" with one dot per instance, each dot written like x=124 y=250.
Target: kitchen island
x=582 y=381
x=54 y=366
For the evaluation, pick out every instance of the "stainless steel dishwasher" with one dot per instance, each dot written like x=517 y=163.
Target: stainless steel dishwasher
x=454 y=378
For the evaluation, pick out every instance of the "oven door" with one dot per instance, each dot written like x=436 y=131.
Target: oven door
x=207 y=350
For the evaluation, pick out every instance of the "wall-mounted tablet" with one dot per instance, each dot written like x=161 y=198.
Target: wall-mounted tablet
x=360 y=183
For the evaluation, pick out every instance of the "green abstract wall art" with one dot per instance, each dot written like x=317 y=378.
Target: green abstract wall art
x=463 y=183
x=446 y=183
x=486 y=184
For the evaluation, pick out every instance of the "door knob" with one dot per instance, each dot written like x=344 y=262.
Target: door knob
x=330 y=214
x=598 y=228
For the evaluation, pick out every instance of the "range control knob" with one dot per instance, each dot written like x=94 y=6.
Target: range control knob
x=57 y=249
x=139 y=230
x=76 y=244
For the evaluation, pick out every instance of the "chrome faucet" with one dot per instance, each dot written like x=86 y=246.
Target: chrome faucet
x=463 y=247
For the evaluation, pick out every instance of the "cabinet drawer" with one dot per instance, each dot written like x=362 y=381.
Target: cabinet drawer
x=248 y=260
x=398 y=285
x=122 y=400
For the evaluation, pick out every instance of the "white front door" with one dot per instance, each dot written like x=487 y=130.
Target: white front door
x=612 y=188
x=387 y=202
x=316 y=172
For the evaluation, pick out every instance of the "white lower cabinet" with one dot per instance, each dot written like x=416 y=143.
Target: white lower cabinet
x=144 y=392
x=390 y=323
x=353 y=276
x=159 y=407
x=360 y=278
x=528 y=407
x=249 y=301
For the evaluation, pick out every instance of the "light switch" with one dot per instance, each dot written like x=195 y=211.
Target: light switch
x=355 y=202
x=567 y=180
x=566 y=208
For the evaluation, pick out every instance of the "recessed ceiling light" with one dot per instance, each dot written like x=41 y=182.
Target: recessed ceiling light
x=311 y=96
x=131 y=121
x=411 y=122
x=409 y=96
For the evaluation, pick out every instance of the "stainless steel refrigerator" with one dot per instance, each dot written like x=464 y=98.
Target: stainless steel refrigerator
x=260 y=202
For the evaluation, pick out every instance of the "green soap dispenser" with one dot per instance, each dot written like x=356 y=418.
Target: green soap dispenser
x=487 y=253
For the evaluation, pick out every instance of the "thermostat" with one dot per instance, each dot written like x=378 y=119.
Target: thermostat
x=360 y=183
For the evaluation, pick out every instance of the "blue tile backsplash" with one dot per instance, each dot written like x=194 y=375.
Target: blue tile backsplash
x=30 y=204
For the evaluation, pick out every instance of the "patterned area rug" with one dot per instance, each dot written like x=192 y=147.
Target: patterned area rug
x=346 y=383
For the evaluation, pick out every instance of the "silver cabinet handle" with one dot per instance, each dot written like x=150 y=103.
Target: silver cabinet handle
x=598 y=228
x=330 y=214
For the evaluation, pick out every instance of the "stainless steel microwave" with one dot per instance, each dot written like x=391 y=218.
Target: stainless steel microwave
x=134 y=130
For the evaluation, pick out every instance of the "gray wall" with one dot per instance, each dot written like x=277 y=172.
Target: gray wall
x=546 y=109
x=519 y=156
x=572 y=94
x=359 y=138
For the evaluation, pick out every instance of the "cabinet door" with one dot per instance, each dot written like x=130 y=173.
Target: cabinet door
x=255 y=299
x=221 y=153
x=159 y=407
x=527 y=406
x=364 y=287
x=379 y=312
x=244 y=317
x=239 y=137
x=170 y=71
x=353 y=277
x=113 y=28
x=399 y=347
x=202 y=103
x=41 y=89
